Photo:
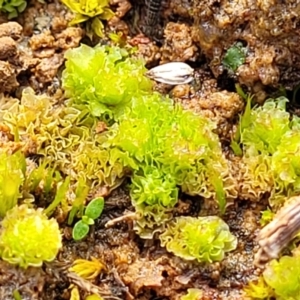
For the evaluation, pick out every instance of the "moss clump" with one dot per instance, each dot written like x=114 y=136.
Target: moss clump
x=265 y=127
x=28 y=237
x=286 y=164
x=205 y=239
x=113 y=126
x=234 y=57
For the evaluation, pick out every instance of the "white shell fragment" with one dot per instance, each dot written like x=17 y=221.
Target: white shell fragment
x=172 y=73
x=279 y=232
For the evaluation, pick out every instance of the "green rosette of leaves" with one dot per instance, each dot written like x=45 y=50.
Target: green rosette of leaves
x=28 y=237
x=106 y=79
x=94 y=11
x=280 y=280
x=205 y=239
x=13 y=7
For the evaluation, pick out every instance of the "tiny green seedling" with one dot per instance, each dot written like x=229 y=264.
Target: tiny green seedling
x=91 y=213
x=234 y=57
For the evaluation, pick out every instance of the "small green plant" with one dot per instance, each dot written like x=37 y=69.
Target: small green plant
x=12 y=169
x=234 y=57
x=28 y=237
x=283 y=276
x=91 y=11
x=280 y=280
x=13 y=7
x=17 y=295
x=92 y=211
x=266 y=217
x=106 y=79
x=78 y=204
x=193 y=294
x=205 y=239
x=172 y=148
x=44 y=175
x=268 y=141
x=259 y=290
x=245 y=121
x=60 y=197
x=87 y=269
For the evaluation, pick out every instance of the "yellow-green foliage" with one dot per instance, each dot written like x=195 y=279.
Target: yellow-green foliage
x=267 y=125
x=163 y=146
x=28 y=237
x=280 y=280
x=75 y=293
x=93 y=11
x=172 y=148
x=93 y=297
x=259 y=290
x=193 y=294
x=286 y=163
x=65 y=136
x=271 y=151
x=106 y=79
x=87 y=269
x=11 y=179
x=283 y=277
x=205 y=239
x=153 y=194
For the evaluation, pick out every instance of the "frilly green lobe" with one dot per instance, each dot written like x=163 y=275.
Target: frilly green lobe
x=28 y=237
x=66 y=137
x=280 y=280
x=270 y=161
x=267 y=125
x=106 y=79
x=205 y=239
x=172 y=148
